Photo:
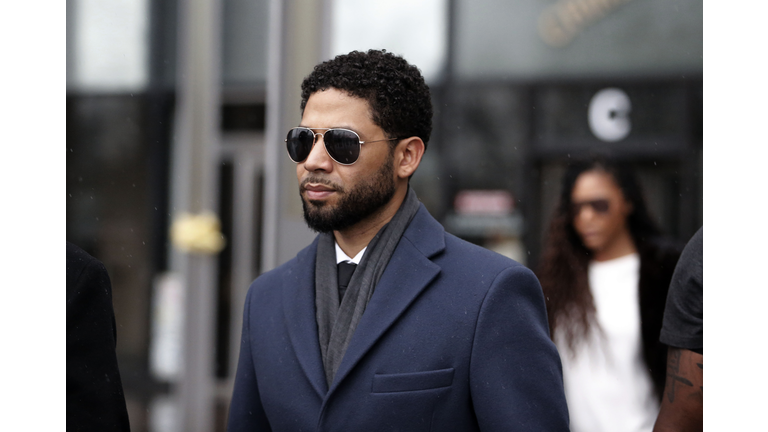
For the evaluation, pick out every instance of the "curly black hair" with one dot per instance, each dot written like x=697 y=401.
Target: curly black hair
x=395 y=90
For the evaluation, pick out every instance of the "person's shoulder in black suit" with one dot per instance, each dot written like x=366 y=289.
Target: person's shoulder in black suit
x=95 y=400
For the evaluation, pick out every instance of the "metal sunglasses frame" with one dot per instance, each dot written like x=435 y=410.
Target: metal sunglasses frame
x=314 y=141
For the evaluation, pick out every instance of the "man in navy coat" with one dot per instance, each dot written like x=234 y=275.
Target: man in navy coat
x=429 y=332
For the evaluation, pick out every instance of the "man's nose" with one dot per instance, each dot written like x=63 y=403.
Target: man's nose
x=318 y=159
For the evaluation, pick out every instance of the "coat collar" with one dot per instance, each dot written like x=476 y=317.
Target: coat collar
x=425 y=233
x=298 y=288
x=408 y=273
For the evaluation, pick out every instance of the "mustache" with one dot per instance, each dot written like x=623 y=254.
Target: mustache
x=319 y=180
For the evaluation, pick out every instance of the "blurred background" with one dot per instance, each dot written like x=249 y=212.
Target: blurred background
x=179 y=108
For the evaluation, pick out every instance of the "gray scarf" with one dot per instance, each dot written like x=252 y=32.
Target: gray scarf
x=336 y=322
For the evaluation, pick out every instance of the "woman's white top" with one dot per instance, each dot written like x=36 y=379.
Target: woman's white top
x=607 y=385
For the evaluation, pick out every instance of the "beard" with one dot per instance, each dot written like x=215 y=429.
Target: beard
x=361 y=201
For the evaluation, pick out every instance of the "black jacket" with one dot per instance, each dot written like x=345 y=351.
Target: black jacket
x=95 y=400
x=657 y=264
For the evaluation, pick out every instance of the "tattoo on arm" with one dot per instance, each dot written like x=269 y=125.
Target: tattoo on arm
x=701 y=366
x=682 y=404
x=673 y=374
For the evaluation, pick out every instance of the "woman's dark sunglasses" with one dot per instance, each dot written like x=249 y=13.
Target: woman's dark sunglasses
x=600 y=206
x=342 y=145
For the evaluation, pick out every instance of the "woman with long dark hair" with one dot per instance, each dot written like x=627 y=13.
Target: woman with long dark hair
x=605 y=272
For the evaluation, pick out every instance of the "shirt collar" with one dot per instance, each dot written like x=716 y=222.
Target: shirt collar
x=341 y=256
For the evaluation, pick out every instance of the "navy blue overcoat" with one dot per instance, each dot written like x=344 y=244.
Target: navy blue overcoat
x=454 y=338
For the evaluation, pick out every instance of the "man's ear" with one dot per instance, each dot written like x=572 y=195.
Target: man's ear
x=408 y=155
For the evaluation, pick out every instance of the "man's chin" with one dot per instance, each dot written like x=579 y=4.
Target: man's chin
x=316 y=215
x=318 y=223
x=317 y=203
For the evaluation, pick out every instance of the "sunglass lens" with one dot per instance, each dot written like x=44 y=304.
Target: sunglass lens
x=342 y=145
x=600 y=206
x=299 y=143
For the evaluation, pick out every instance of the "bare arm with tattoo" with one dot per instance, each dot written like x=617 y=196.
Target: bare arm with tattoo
x=682 y=403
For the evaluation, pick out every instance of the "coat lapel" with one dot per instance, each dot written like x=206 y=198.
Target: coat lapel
x=407 y=275
x=299 y=305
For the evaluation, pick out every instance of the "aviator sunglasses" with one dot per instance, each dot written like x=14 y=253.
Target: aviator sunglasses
x=342 y=145
x=600 y=206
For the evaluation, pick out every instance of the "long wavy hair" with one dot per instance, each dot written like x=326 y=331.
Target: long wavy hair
x=563 y=268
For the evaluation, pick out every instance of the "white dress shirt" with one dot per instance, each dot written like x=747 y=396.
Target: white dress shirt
x=342 y=257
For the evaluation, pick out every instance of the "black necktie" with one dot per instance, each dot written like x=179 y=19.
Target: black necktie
x=345 y=270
